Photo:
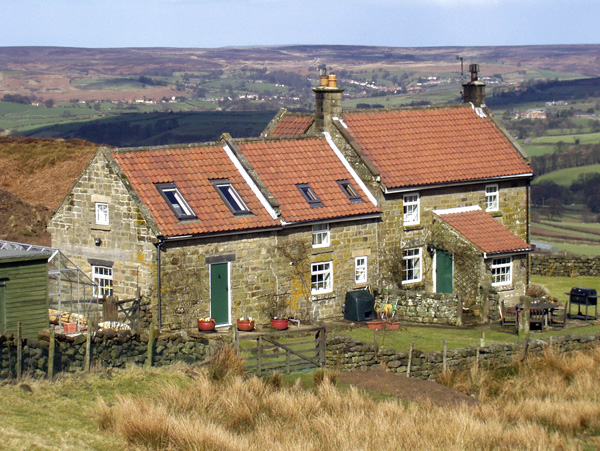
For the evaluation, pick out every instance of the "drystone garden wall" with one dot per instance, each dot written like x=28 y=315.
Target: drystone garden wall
x=348 y=354
x=562 y=266
x=107 y=349
x=427 y=308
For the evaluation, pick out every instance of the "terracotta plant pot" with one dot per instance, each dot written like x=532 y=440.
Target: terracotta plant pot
x=69 y=328
x=392 y=326
x=376 y=324
x=206 y=326
x=245 y=325
x=279 y=323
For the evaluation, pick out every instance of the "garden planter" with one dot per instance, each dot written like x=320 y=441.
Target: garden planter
x=245 y=325
x=375 y=324
x=392 y=326
x=206 y=326
x=279 y=323
x=69 y=328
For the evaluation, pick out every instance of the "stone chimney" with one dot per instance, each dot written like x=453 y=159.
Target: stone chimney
x=328 y=101
x=474 y=91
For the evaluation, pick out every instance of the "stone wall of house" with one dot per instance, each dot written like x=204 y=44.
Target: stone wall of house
x=126 y=243
x=565 y=266
x=426 y=308
x=264 y=267
x=346 y=353
x=108 y=349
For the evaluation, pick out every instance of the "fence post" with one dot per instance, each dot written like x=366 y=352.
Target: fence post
x=445 y=357
x=19 y=368
x=150 y=355
x=323 y=347
x=375 y=344
x=87 y=363
x=51 y=355
x=259 y=345
x=410 y=353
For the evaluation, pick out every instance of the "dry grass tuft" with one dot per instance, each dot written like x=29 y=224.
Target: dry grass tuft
x=225 y=363
x=550 y=403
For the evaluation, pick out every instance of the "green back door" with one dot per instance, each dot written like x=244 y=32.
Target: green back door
x=219 y=293
x=443 y=271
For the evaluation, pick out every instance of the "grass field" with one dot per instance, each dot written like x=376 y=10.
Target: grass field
x=584 y=138
x=565 y=177
x=546 y=403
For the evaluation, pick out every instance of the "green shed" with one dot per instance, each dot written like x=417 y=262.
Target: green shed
x=23 y=292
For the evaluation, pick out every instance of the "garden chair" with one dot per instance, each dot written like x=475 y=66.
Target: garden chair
x=536 y=318
x=508 y=315
x=558 y=317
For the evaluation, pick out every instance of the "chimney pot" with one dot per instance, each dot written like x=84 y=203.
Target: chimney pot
x=332 y=81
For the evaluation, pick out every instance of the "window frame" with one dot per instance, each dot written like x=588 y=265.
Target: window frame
x=416 y=209
x=240 y=207
x=324 y=231
x=186 y=211
x=309 y=195
x=493 y=205
x=103 y=287
x=102 y=218
x=349 y=191
x=323 y=272
x=502 y=269
x=415 y=256
x=360 y=269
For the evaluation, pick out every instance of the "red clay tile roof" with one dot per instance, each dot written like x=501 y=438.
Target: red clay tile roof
x=283 y=164
x=191 y=169
x=485 y=232
x=292 y=125
x=425 y=146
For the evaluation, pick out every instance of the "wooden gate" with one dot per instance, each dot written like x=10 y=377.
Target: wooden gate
x=286 y=351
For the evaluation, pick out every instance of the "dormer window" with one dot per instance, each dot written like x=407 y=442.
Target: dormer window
x=231 y=197
x=176 y=201
x=309 y=195
x=349 y=191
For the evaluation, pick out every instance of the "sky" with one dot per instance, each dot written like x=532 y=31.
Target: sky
x=224 y=23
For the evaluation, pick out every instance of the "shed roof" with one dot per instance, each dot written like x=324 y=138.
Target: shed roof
x=484 y=231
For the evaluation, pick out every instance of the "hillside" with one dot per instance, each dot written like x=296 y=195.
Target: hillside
x=37 y=174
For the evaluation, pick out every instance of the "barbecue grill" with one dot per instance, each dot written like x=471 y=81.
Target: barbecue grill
x=583 y=296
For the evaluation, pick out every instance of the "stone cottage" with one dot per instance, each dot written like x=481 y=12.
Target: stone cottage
x=432 y=199
x=426 y=165
x=228 y=229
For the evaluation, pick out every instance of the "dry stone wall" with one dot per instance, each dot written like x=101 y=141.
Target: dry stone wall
x=563 y=266
x=349 y=354
x=108 y=349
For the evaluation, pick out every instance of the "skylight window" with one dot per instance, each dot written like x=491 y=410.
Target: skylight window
x=231 y=197
x=309 y=195
x=349 y=191
x=176 y=201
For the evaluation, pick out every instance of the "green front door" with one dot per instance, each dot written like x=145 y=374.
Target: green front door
x=443 y=276
x=219 y=293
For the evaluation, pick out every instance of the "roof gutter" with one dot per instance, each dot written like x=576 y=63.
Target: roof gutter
x=458 y=183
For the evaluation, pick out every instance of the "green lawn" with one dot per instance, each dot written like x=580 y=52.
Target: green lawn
x=431 y=338
x=558 y=286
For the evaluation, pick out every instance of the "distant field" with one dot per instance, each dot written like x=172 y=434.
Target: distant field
x=565 y=177
x=538 y=149
x=118 y=84
x=584 y=138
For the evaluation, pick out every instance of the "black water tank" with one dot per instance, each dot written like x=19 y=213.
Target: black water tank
x=360 y=306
